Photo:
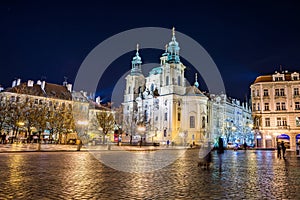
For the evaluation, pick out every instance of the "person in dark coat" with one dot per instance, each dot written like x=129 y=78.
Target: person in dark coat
x=278 y=151
x=3 y=138
x=283 y=149
x=221 y=145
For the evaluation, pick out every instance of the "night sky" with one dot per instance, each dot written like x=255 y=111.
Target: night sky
x=51 y=39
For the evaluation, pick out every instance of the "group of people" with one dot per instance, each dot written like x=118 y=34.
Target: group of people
x=3 y=138
x=281 y=150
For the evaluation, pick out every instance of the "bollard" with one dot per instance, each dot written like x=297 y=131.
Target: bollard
x=39 y=147
x=79 y=147
x=109 y=147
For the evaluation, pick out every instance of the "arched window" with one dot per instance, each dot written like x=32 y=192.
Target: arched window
x=179 y=80
x=192 y=121
x=129 y=89
x=152 y=87
x=203 y=122
x=167 y=80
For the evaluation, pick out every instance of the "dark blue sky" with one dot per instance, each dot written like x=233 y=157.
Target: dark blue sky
x=51 y=39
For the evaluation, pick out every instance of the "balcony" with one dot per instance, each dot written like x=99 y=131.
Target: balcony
x=296 y=96
x=256 y=97
x=280 y=96
x=284 y=127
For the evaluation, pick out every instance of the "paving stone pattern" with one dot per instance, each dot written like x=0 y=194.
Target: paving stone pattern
x=78 y=175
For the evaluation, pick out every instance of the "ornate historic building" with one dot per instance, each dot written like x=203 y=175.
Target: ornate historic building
x=230 y=119
x=162 y=107
x=276 y=109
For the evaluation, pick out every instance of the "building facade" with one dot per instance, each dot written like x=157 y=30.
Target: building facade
x=276 y=109
x=28 y=108
x=230 y=119
x=163 y=107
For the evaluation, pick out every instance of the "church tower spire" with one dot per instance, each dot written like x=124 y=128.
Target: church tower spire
x=136 y=63
x=196 y=84
x=173 y=49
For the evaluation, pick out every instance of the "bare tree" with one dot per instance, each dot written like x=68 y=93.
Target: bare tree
x=106 y=121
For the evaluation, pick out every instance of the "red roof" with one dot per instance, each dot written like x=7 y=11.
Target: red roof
x=51 y=91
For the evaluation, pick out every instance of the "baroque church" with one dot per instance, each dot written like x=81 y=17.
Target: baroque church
x=163 y=107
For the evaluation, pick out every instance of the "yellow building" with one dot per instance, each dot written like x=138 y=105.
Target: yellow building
x=276 y=109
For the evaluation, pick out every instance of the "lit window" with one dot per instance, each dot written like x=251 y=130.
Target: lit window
x=283 y=106
x=282 y=92
x=277 y=106
x=284 y=123
x=277 y=92
x=278 y=121
x=267 y=122
x=297 y=105
x=257 y=93
x=297 y=121
x=296 y=91
x=267 y=106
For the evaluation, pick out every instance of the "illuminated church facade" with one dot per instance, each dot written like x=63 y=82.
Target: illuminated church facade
x=163 y=107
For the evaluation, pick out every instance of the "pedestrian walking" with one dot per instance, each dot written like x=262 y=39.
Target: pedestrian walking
x=245 y=145
x=278 y=151
x=3 y=138
x=283 y=149
x=221 y=145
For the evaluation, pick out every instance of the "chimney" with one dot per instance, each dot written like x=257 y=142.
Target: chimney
x=18 y=81
x=43 y=85
x=14 y=83
x=98 y=100
x=39 y=82
x=30 y=83
x=69 y=87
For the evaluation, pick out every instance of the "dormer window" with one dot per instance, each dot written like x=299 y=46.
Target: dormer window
x=295 y=76
x=278 y=77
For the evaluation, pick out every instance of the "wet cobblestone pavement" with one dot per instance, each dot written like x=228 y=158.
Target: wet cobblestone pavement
x=78 y=175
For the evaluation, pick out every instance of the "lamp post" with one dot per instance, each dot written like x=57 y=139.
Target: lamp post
x=118 y=132
x=141 y=129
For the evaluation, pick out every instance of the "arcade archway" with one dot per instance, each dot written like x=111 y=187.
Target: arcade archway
x=285 y=138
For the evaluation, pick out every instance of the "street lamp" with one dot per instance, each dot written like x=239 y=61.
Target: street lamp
x=81 y=125
x=141 y=129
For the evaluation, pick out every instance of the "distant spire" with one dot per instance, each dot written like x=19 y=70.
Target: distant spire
x=136 y=63
x=173 y=49
x=196 y=84
x=173 y=31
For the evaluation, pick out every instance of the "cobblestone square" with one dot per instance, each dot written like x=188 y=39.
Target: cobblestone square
x=78 y=175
